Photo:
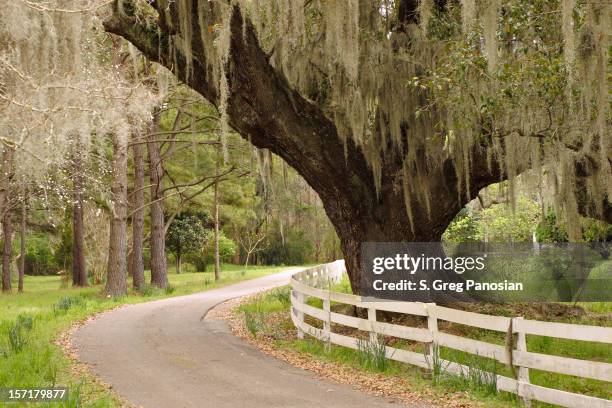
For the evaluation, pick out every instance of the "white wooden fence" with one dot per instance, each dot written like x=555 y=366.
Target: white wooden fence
x=315 y=282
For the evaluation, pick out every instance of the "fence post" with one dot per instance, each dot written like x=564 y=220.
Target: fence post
x=327 y=321
x=299 y=298
x=372 y=318
x=523 y=372
x=432 y=324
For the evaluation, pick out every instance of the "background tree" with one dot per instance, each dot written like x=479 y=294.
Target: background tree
x=22 y=235
x=5 y=186
x=186 y=234
x=159 y=276
x=138 y=202
x=117 y=251
x=251 y=242
x=79 y=268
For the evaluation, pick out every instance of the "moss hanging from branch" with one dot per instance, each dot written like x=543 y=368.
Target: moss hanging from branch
x=488 y=75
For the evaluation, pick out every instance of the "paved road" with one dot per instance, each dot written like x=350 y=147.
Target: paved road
x=162 y=354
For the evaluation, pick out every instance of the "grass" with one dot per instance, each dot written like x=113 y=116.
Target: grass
x=373 y=354
x=31 y=322
x=263 y=313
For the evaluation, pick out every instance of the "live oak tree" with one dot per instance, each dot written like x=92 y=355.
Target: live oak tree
x=398 y=112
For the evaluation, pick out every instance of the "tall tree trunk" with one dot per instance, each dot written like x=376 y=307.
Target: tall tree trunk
x=216 y=221
x=178 y=261
x=7 y=235
x=5 y=183
x=79 y=267
x=159 y=275
x=137 y=261
x=117 y=250
x=6 y=174
x=22 y=232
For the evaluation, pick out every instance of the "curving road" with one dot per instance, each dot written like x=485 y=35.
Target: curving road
x=162 y=354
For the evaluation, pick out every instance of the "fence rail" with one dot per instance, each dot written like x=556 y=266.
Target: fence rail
x=315 y=282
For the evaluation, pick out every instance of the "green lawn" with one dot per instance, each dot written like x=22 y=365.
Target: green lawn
x=31 y=322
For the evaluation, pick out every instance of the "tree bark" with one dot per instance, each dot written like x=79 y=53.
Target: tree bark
x=22 y=232
x=7 y=235
x=264 y=109
x=117 y=250
x=159 y=276
x=5 y=184
x=216 y=222
x=137 y=260
x=5 y=177
x=178 y=261
x=79 y=267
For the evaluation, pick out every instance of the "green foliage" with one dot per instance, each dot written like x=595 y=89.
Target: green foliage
x=498 y=223
x=292 y=249
x=201 y=259
x=594 y=231
x=227 y=247
x=186 y=233
x=464 y=228
x=502 y=224
x=550 y=229
x=527 y=77
x=40 y=258
x=63 y=250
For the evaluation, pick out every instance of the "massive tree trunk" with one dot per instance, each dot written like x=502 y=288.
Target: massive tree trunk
x=137 y=261
x=263 y=108
x=79 y=268
x=22 y=232
x=159 y=275
x=117 y=249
